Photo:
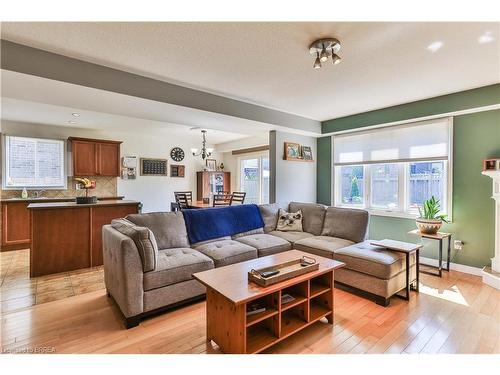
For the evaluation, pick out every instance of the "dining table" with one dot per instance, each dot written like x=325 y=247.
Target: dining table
x=174 y=206
x=199 y=204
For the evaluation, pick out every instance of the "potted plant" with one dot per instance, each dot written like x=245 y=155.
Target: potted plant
x=430 y=220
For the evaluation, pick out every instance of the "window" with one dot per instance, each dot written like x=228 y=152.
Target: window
x=393 y=170
x=384 y=179
x=33 y=163
x=352 y=184
x=254 y=178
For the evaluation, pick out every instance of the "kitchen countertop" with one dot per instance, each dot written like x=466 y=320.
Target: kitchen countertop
x=46 y=199
x=102 y=203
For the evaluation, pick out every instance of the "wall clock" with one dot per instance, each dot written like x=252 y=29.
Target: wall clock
x=177 y=154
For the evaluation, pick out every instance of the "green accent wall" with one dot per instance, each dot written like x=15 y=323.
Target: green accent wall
x=480 y=97
x=324 y=170
x=476 y=136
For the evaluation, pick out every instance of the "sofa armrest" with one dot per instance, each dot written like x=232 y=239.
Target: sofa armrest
x=123 y=271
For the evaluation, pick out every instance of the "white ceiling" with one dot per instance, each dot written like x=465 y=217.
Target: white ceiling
x=27 y=98
x=41 y=113
x=269 y=64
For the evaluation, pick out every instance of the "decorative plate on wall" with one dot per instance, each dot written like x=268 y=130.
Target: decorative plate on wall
x=177 y=154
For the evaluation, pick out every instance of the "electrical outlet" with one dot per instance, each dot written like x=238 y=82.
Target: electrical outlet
x=458 y=245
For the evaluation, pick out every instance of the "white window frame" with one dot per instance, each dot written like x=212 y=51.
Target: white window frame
x=403 y=210
x=254 y=155
x=4 y=162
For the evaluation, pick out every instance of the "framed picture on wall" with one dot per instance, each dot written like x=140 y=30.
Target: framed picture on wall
x=177 y=170
x=292 y=151
x=211 y=164
x=307 y=153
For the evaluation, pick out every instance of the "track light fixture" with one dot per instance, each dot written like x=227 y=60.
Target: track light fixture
x=323 y=49
x=317 y=62
x=324 y=55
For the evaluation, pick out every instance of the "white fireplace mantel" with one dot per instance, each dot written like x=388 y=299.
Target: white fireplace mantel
x=491 y=276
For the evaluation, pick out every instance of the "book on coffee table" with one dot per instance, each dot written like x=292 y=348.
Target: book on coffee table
x=255 y=308
x=285 y=298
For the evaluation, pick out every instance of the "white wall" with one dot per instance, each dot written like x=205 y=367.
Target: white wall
x=291 y=180
x=154 y=192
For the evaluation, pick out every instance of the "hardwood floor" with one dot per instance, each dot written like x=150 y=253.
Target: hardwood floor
x=455 y=314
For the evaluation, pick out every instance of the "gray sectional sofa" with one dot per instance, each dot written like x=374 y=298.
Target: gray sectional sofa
x=148 y=260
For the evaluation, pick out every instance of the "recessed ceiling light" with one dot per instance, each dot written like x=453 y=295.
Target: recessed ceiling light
x=76 y=114
x=71 y=122
x=487 y=37
x=435 y=46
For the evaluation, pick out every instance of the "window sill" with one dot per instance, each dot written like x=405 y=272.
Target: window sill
x=397 y=214
x=401 y=215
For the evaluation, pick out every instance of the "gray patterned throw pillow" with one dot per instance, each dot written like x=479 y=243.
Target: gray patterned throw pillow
x=289 y=221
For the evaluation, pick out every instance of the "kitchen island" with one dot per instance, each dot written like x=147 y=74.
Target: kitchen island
x=66 y=236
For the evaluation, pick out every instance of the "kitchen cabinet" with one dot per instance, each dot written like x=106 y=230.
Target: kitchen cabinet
x=212 y=182
x=94 y=157
x=67 y=236
x=15 y=223
x=15 y=226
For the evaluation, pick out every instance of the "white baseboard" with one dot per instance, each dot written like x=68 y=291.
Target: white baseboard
x=491 y=277
x=454 y=266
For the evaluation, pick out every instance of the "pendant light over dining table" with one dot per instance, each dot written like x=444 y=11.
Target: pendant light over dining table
x=205 y=151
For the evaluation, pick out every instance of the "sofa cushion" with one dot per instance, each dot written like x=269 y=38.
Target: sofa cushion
x=322 y=245
x=269 y=214
x=348 y=223
x=227 y=252
x=373 y=260
x=314 y=215
x=248 y=233
x=176 y=265
x=209 y=241
x=168 y=227
x=291 y=237
x=144 y=240
x=266 y=244
x=289 y=221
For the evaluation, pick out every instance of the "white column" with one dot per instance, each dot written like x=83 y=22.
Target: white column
x=493 y=277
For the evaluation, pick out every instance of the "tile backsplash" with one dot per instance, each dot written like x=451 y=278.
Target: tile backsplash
x=105 y=187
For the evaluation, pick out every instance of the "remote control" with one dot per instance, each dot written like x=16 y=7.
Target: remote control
x=267 y=274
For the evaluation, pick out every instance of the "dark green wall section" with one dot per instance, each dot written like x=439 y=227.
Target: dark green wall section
x=476 y=137
x=480 y=97
x=324 y=165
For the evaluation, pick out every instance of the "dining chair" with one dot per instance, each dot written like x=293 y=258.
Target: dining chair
x=183 y=199
x=222 y=200
x=189 y=195
x=238 y=197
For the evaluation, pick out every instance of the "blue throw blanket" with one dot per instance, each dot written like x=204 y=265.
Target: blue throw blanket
x=209 y=223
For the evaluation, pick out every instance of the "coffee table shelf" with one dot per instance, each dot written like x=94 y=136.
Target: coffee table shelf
x=290 y=325
x=318 y=289
x=256 y=318
x=312 y=302
x=258 y=338
x=297 y=301
x=318 y=311
x=234 y=331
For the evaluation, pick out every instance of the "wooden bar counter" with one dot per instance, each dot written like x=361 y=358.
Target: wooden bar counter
x=66 y=236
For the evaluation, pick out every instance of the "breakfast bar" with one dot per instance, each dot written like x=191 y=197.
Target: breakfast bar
x=66 y=236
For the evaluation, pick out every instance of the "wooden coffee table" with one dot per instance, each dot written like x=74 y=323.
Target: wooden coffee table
x=229 y=292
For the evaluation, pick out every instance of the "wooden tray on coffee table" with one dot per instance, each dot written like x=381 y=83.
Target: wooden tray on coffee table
x=287 y=270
